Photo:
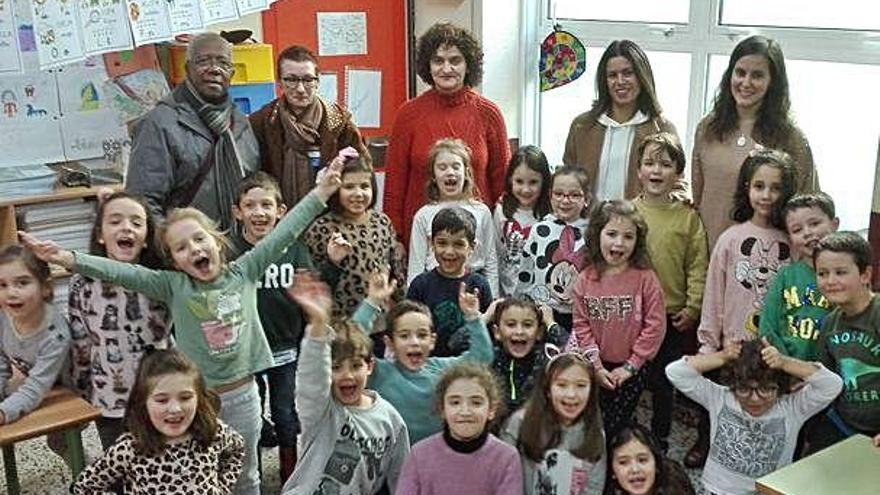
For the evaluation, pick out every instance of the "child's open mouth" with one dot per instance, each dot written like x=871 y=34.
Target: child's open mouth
x=518 y=346
x=125 y=243
x=415 y=359
x=15 y=306
x=202 y=264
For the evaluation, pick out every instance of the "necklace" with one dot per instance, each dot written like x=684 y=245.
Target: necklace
x=741 y=140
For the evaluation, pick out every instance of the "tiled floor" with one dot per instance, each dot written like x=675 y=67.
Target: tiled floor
x=41 y=472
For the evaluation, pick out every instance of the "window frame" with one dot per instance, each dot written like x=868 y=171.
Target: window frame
x=702 y=37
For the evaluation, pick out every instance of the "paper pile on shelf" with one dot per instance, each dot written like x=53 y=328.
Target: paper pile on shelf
x=69 y=223
x=26 y=180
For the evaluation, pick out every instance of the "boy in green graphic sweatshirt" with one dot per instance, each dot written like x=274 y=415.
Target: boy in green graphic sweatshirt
x=849 y=339
x=794 y=307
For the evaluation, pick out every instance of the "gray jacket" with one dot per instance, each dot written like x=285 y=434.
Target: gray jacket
x=169 y=145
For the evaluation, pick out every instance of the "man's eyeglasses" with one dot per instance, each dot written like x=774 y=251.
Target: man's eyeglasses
x=763 y=391
x=294 y=81
x=207 y=63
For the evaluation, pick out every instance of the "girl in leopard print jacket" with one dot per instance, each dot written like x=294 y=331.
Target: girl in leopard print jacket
x=175 y=444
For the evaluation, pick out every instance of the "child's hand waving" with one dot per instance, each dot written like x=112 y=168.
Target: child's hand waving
x=338 y=248
x=330 y=178
x=313 y=298
x=469 y=302
x=48 y=251
x=380 y=288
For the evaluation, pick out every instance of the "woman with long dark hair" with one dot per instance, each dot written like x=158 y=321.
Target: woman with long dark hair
x=603 y=140
x=751 y=110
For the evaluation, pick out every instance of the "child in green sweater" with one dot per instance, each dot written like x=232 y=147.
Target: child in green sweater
x=213 y=303
x=794 y=307
x=408 y=380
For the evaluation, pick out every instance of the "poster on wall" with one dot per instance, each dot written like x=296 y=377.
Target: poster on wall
x=219 y=11
x=342 y=33
x=57 y=30
x=246 y=7
x=186 y=16
x=327 y=84
x=104 y=25
x=363 y=96
x=30 y=131
x=10 y=61
x=150 y=22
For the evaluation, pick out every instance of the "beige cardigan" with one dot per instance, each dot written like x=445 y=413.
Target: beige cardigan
x=715 y=166
x=583 y=147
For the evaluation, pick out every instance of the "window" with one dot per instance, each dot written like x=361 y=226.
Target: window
x=667 y=11
x=806 y=14
x=831 y=55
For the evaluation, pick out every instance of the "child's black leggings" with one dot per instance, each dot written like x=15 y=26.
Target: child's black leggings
x=619 y=405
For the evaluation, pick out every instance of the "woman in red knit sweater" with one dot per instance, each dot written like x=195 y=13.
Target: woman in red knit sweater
x=450 y=60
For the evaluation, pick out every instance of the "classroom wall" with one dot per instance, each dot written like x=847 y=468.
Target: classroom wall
x=497 y=24
x=254 y=22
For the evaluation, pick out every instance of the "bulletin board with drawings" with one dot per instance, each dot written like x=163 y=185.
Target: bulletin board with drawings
x=370 y=73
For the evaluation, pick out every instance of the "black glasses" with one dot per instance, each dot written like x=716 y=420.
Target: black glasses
x=294 y=81
x=763 y=391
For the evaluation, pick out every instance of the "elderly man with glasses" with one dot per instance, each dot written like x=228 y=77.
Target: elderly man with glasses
x=195 y=146
x=300 y=132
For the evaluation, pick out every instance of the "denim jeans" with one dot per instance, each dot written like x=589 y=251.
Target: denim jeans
x=240 y=409
x=282 y=390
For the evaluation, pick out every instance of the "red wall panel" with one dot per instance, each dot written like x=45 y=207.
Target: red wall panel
x=290 y=22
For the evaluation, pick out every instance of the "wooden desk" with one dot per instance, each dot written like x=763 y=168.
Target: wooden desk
x=851 y=467
x=60 y=411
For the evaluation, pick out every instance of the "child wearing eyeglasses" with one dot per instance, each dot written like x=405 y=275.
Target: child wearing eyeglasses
x=754 y=423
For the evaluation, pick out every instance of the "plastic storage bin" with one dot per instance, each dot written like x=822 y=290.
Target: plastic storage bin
x=254 y=63
x=252 y=97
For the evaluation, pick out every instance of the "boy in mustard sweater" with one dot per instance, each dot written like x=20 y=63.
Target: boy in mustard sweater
x=678 y=250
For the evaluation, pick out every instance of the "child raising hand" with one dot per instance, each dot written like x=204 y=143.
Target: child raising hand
x=351 y=436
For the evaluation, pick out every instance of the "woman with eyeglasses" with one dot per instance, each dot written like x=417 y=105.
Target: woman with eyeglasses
x=450 y=60
x=299 y=132
x=603 y=140
x=751 y=110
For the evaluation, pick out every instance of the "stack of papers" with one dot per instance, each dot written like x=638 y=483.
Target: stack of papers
x=69 y=223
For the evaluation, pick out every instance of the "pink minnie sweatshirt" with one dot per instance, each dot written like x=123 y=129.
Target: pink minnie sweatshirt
x=621 y=315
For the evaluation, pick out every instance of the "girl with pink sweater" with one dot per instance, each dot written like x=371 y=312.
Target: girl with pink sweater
x=619 y=314
x=465 y=458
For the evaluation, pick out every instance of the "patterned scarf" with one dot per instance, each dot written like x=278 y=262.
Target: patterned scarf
x=300 y=135
x=228 y=170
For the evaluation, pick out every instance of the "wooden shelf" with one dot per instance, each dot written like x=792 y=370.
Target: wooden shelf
x=58 y=195
x=8 y=224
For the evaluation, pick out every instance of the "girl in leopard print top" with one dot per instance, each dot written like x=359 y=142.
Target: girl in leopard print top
x=373 y=240
x=175 y=444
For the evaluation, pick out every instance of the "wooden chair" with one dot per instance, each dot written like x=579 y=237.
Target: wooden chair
x=60 y=411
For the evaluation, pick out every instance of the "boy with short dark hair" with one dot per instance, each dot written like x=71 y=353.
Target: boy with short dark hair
x=794 y=307
x=453 y=237
x=850 y=338
x=258 y=208
x=353 y=440
x=677 y=247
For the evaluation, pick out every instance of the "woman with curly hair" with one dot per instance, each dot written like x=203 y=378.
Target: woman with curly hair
x=751 y=110
x=450 y=60
x=603 y=141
